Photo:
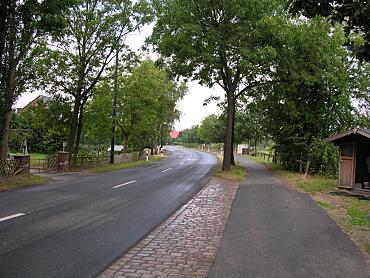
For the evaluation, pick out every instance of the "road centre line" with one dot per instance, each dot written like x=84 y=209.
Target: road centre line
x=181 y=163
x=166 y=170
x=117 y=186
x=12 y=216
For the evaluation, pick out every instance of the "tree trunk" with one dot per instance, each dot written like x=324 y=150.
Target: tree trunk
x=125 y=141
x=79 y=130
x=73 y=126
x=5 y=138
x=10 y=82
x=255 y=146
x=229 y=131
x=232 y=159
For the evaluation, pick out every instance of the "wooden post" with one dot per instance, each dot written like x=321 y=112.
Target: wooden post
x=24 y=163
x=307 y=168
x=62 y=161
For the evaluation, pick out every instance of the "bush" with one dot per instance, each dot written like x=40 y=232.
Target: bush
x=323 y=158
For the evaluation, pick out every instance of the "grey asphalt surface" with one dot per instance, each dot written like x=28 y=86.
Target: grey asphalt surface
x=77 y=227
x=274 y=231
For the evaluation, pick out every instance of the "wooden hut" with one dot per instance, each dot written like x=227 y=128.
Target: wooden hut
x=354 y=162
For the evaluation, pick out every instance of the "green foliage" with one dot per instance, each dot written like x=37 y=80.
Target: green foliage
x=361 y=92
x=98 y=116
x=353 y=14
x=323 y=158
x=44 y=127
x=249 y=119
x=212 y=129
x=23 y=27
x=315 y=100
x=189 y=136
x=76 y=61
x=146 y=108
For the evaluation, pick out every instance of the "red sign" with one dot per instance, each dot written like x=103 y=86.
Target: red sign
x=174 y=134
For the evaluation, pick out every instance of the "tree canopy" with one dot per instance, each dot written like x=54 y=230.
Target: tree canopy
x=317 y=101
x=78 y=59
x=23 y=24
x=146 y=107
x=353 y=14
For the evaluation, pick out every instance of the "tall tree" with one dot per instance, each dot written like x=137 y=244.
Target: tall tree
x=22 y=25
x=146 y=107
x=211 y=129
x=78 y=59
x=218 y=42
x=317 y=101
x=249 y=118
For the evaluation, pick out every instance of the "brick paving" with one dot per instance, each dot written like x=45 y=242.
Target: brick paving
x=186 y=244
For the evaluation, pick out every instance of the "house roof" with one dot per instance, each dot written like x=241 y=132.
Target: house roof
x=354 y=135
x=45 y=100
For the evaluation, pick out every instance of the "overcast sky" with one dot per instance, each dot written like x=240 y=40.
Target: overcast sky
x=191 y=106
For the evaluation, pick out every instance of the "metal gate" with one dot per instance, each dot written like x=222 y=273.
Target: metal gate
x=47 y=164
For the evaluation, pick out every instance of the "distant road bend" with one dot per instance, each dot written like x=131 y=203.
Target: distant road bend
x=77 y=227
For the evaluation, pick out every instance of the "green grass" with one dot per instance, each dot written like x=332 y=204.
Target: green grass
x=37 y=159
x=367 y=248
x=317 y=184
x=14 y=182
x=323 y=204
x=358 y=217
x=237 y=173
x=38 y=156
x=268 y=164
x=118 y=166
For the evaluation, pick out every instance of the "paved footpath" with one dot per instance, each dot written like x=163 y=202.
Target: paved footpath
x=274 y=231
x=186 y=244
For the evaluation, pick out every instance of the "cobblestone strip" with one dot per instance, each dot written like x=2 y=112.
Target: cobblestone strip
x=185 y=245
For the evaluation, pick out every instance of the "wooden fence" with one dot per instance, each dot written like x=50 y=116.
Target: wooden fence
x=126 y=157
x=9 y=167
x=87 y=161
x=267 y=156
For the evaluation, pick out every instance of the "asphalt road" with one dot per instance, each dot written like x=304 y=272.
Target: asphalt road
x=274 y=231
x=77 y=227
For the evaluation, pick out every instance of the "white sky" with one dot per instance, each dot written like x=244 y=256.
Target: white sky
x=191 y=106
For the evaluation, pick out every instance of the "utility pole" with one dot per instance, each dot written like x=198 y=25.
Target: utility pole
x=114 y=108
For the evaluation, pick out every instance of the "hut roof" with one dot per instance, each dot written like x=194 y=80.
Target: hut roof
x=353 y=135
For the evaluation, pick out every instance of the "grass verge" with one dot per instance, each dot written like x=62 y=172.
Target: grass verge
x=118 y=166
x=323 y=204
x=351 y=213
x=14 y=182
x=237 y=173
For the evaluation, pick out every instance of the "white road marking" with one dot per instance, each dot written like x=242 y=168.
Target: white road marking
x=181 y=163
x=12 y=216
x=117 y=186
x=166 y=170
